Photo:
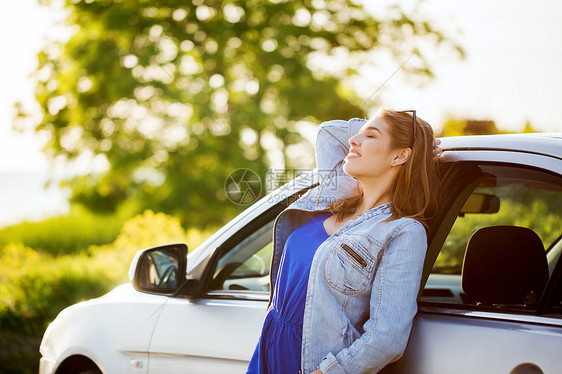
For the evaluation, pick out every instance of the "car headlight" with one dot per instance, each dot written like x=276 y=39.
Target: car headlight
x=46 y=341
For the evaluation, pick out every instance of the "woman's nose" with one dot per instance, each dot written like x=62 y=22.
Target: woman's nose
x=354 y=140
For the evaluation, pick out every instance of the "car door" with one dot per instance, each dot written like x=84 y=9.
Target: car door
x=459 y=330
x=217 y=333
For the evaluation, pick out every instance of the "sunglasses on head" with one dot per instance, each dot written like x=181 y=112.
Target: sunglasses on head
x=414 y=117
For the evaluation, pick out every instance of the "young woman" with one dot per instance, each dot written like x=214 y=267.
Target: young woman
x=348 y=255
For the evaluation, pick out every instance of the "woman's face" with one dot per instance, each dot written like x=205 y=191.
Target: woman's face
x=370 y=155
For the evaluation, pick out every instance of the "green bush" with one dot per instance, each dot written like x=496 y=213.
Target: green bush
x=66 y=234
x=19 y=354
x=35 y=285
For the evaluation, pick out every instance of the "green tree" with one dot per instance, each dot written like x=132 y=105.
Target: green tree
x=529 y=128
x=459 y=127
x=173 y=95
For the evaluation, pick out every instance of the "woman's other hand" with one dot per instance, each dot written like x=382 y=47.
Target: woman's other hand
x=437 y=150
x=316 y=372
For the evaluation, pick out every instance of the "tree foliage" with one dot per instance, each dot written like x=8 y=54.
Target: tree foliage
x=459 y=127
x=171 y=96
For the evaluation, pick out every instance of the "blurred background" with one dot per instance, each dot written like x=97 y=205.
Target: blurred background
x=120 y=121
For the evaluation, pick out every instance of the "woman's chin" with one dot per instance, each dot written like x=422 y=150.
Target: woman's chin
x=349 y=171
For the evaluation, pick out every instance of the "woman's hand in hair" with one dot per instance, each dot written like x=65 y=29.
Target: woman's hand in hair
x=437 y=150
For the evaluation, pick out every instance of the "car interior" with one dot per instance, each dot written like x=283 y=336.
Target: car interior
x=504 y=265
x=494 y=255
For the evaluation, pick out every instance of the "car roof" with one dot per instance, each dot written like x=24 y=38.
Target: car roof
x=549 y=144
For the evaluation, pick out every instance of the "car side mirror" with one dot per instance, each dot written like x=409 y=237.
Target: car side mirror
x=159 y=270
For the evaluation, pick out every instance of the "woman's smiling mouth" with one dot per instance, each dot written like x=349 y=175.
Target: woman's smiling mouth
x=353 y=154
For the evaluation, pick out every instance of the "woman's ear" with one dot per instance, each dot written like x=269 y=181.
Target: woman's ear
x=401 y=156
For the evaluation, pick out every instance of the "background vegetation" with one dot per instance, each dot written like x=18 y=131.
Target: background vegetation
x=169 y=97
x=35 y=285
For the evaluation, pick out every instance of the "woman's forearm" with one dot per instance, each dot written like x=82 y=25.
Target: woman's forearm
x=393 y=306
x=332 y=142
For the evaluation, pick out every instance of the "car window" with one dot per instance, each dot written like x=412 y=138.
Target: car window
x=509 y=213
x=246 y=266
x=241 y=269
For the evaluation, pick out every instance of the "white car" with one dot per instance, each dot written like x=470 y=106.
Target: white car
x=490 y=296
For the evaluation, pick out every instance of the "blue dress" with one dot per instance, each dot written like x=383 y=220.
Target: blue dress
x=279 y=347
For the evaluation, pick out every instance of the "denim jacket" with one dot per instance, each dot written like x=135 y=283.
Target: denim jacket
x=364 y=279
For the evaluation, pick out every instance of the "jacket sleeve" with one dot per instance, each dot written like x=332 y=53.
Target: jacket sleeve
x=332 y=143
x=392 y=307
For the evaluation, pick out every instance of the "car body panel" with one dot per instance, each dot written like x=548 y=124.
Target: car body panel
x=541 y=144
x=450 y=342
x=238 y=327
x=112 y=331
x=517 y=158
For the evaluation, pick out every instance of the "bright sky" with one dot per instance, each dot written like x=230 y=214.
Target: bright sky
x=512 y=74
x=23 y=168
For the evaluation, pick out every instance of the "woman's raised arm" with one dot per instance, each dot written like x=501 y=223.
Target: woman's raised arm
x=332 y=143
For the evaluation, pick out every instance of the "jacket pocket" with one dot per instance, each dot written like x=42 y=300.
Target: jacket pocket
x=349 y=267
x=360 y=260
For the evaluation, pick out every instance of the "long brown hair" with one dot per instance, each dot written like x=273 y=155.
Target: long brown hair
x=416 y=189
